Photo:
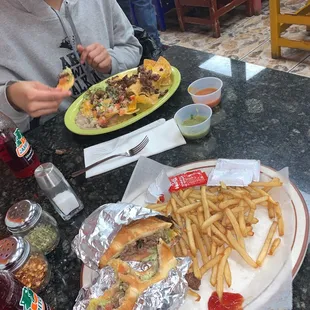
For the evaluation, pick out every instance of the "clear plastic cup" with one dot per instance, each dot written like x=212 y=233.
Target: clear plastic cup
x=211 y=99
x=194 y=131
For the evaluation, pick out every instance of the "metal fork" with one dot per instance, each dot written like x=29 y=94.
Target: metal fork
x=134 y=151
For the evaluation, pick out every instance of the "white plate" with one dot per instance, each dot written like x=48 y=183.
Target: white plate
x=296 y=237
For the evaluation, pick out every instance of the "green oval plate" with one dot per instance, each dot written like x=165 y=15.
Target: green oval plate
x=73 y=110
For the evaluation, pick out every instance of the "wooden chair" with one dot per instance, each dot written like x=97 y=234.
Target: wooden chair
x=216 y=11
x=280 y=22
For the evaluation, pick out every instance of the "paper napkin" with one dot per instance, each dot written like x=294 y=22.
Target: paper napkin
x=163 y=136
x=234 y=172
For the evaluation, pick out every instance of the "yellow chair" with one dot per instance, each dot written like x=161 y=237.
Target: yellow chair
x=280 y=22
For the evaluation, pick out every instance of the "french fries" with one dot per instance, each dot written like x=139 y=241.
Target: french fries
x=207 y=242
x=227 y=274
x=211 y=220
x=216 y=221
x=156 y=206
x=243 y=253
x=227 y=203
x=276 y=242
x=213 y=206
x=271 y=212
x=188 y=207
x=190 y=235
x=275 y=182
x=220 y=227
x=219 y=234
x=242 y=224
x=196 y=269
x=210 y=264
x=264 y=251
x=178 y=200
x=236 y=227
x=215 y=267
x=217 y=241
x=220 y=273
x=169 y=209
x=194 y=294
x=280 y=219
x=199 y=243
x=187 y=192
x=260 y=200
x=177 y=215
x=183 y=247
x=205 y=205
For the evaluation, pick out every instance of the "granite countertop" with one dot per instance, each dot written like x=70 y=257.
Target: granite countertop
x=264 y=114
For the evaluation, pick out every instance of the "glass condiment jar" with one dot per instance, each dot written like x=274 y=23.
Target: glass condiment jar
x=28 y=265
x=27 y=219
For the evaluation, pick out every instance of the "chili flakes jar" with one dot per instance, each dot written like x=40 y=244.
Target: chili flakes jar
x=28 y=265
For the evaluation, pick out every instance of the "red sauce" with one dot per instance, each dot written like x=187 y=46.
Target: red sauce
x=214 y=103
x=205 y=91
x=230 y=301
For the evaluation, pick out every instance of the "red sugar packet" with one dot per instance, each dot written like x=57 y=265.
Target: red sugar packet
x=188 y=179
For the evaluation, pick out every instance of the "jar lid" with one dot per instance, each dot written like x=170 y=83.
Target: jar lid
x=13 y=252
x=22 y=216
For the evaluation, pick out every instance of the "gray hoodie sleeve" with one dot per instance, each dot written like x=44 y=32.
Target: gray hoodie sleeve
x=21 y=119
x=127 y=51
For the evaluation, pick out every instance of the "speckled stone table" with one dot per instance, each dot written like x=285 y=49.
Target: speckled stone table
x=264 y=114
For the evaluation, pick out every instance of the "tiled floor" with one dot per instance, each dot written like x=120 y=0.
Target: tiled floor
x=245 y=38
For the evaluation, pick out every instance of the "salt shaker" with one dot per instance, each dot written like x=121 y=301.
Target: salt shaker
x=58 y=191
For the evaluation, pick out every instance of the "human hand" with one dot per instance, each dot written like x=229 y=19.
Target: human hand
x=96 y=56
x=35 y=98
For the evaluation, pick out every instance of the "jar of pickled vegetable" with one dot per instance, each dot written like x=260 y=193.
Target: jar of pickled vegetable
x=27 y=219
x=28 y=265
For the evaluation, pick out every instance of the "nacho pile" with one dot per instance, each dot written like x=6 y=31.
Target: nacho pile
x=125 y=95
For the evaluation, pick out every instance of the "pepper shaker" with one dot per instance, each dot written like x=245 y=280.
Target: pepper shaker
x=27 y=219
x=58 y=191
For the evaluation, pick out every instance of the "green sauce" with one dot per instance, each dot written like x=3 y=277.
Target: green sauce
x=194 y=120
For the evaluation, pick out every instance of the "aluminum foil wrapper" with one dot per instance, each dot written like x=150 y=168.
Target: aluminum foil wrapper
x=168 y=294
x=99 y=229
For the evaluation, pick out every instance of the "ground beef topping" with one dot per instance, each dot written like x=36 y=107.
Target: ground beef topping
x=192 y=281
x=142 y=245
x=146 y=78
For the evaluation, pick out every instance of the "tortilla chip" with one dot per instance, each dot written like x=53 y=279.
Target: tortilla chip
x=149 y=64
x=133 y=104
x=135 y=88
x=66 y=79
x=143 y=99
x=132 y=112
x=162 y=68
x=166 y=81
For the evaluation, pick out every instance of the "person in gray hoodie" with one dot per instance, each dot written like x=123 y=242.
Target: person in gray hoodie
x=41 y=38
